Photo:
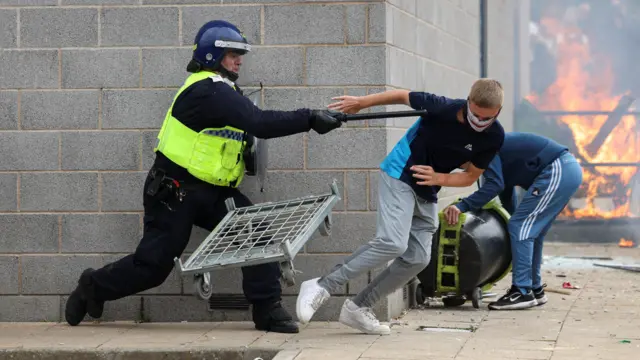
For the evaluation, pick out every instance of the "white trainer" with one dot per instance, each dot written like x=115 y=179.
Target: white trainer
x=362 y=318
x=311 y=297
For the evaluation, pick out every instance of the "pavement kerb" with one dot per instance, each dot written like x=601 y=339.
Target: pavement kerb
x=239 y=353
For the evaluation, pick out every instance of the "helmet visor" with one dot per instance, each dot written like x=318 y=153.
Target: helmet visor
x=233 y=45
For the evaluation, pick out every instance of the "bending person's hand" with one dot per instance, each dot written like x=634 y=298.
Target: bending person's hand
x=452 y=214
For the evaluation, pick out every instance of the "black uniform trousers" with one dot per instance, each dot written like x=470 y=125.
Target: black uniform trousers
x=167 y=228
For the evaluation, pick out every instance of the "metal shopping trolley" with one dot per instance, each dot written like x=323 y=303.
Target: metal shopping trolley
x=261 y=233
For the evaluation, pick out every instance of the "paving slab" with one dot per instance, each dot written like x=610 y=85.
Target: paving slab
x=598 y=320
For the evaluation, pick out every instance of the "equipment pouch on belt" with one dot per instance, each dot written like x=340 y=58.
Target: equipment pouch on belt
x=164 y=188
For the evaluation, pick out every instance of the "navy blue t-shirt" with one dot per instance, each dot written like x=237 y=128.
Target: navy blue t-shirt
x=441 y=141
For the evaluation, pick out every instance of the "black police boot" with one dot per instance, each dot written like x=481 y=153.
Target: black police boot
x=80 y=301
x=273 y=317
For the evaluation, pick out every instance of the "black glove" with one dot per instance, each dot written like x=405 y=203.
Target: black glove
x=323 y=121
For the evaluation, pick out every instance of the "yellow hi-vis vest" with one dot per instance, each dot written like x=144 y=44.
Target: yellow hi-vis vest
x=213 y=155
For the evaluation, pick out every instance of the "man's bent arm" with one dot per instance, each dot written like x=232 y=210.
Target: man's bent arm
x=460 y=179
x=492 y=186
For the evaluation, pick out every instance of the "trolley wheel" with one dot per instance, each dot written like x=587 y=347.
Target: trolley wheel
x=325 y=227
x=476 y=298
x=453 y=301
x=287 y=273
x=202 y=285
x=420 y=298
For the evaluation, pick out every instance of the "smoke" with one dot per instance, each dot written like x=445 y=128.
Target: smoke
x=610 y=27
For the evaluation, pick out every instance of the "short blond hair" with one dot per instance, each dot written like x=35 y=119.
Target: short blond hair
x=487 y=93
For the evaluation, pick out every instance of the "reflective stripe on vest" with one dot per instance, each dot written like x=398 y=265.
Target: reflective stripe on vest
x=213 y=155
x=227 y=134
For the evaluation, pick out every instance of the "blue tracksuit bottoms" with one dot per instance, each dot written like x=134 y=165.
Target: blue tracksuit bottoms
x=544 y=200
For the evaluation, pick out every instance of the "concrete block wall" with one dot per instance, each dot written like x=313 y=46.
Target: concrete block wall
x=84 y=85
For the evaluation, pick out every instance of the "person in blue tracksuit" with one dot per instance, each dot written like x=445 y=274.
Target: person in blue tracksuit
x=551 y=175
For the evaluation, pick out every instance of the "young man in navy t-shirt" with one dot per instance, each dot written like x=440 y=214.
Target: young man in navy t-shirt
x=454 y=132
x=550 y=175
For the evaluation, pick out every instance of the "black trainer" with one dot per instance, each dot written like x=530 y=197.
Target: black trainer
x=540 y=296
x=514 y=300
x=274 y=318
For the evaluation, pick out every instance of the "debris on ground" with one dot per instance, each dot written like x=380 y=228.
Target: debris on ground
x=558 y=291
x=402 y=314
x=560 y=264
x=433 y=302
x=567 y=285
x=398 y=323
x=634 y=268
x=471 y=328
x=590 y=257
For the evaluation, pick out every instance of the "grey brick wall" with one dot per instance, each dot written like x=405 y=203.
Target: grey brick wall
x=84 y=85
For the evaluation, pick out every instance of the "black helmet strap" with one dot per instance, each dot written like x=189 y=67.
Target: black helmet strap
x=194 y=67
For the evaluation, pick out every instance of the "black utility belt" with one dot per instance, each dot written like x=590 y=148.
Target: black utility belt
x=162 y=186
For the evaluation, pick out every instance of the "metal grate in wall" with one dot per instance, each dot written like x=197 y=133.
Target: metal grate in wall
x=228 y=302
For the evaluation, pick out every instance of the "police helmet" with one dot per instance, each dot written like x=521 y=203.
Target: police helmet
x=213 y=41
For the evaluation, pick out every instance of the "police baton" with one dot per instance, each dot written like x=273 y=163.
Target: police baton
x=377 y=115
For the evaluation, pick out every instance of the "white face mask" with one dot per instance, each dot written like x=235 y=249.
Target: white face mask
x=477 y=124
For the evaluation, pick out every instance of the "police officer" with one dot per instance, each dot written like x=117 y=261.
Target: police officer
x=200 y=163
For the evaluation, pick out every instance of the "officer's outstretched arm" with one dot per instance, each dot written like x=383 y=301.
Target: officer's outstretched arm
x=243 y=114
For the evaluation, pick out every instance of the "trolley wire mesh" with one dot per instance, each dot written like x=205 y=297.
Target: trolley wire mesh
x=256 y=231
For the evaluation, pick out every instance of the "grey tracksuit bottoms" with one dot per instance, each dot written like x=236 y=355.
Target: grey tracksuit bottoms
x=405 y=226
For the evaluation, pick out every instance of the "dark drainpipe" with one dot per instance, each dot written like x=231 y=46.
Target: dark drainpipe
x=483 y=38
x=483 y=48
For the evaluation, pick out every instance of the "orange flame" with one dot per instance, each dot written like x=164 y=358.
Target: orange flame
x=579 y=87
x=626 y=243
